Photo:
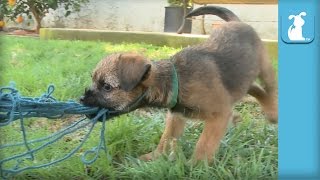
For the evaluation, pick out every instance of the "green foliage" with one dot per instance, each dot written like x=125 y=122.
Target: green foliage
x=3 y=9
x=179 y=3
x=248 y=151
x=37 y=8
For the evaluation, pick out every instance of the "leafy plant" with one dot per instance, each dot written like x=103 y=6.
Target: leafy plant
x=36 y=9
x=179 y=3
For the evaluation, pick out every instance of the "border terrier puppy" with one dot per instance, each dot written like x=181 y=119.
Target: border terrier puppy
x=199 y=82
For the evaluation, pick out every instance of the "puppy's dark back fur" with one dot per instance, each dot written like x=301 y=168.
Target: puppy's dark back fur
x=233 y=50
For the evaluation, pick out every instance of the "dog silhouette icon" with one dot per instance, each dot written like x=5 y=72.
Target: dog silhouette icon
x=295 y=30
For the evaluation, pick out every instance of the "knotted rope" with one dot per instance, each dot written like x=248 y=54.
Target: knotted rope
x=15 y=107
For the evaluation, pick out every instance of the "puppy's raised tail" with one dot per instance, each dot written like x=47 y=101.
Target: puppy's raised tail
x=221 y=12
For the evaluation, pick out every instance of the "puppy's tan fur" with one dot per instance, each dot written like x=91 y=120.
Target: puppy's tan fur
x=212 y=76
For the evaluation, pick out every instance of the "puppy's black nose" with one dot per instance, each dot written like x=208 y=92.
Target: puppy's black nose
x=87 y=92
x=81 y=99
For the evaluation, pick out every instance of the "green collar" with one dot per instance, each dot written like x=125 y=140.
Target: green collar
x=175 y=89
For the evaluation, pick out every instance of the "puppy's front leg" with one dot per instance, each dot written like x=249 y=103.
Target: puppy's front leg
x=209 y=141
x=173 y=130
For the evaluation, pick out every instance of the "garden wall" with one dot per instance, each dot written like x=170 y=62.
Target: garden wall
x=148 y=16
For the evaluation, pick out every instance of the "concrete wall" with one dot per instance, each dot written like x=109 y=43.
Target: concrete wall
x=264 y=18
x=148 y=16
x=123 y=15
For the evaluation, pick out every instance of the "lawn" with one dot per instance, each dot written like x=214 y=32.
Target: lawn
x=248 y=151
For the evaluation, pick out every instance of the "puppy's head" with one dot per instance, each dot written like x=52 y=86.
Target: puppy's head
x=117 y=81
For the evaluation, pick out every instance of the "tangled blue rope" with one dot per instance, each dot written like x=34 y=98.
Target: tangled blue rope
x=14 y=107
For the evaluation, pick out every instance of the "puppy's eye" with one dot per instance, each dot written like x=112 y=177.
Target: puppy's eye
x=107 y=87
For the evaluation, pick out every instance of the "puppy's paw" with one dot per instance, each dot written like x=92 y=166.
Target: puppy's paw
x=193 y=162
x=198 y=163
x=236 y=118
x=150 y=156
x=172 y=156
x=272 y=118
x=272 y=114
x=173 y=149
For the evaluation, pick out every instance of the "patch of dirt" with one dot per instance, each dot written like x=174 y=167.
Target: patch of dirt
x=53 y=125
x=19 y=32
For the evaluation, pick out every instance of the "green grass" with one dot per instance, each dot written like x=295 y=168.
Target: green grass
x=248 y=151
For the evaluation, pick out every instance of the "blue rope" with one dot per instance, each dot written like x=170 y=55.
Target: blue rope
x=15 y=107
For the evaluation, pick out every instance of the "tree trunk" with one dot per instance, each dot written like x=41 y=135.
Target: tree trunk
x=38 y=25
x=37 y=18
x=185 y=4
x=203 y=30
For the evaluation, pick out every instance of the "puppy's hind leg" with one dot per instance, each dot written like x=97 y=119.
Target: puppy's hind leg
x=173 y=130
x=268 y=95
x=268 y=99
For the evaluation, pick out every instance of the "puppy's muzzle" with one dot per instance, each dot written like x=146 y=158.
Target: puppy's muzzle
x=88 y=98
x=82 y=98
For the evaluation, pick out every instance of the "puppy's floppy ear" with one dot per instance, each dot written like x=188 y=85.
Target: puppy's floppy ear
x=132 y=69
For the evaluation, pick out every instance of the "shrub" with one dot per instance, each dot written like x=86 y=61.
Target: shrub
x=13 y=9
